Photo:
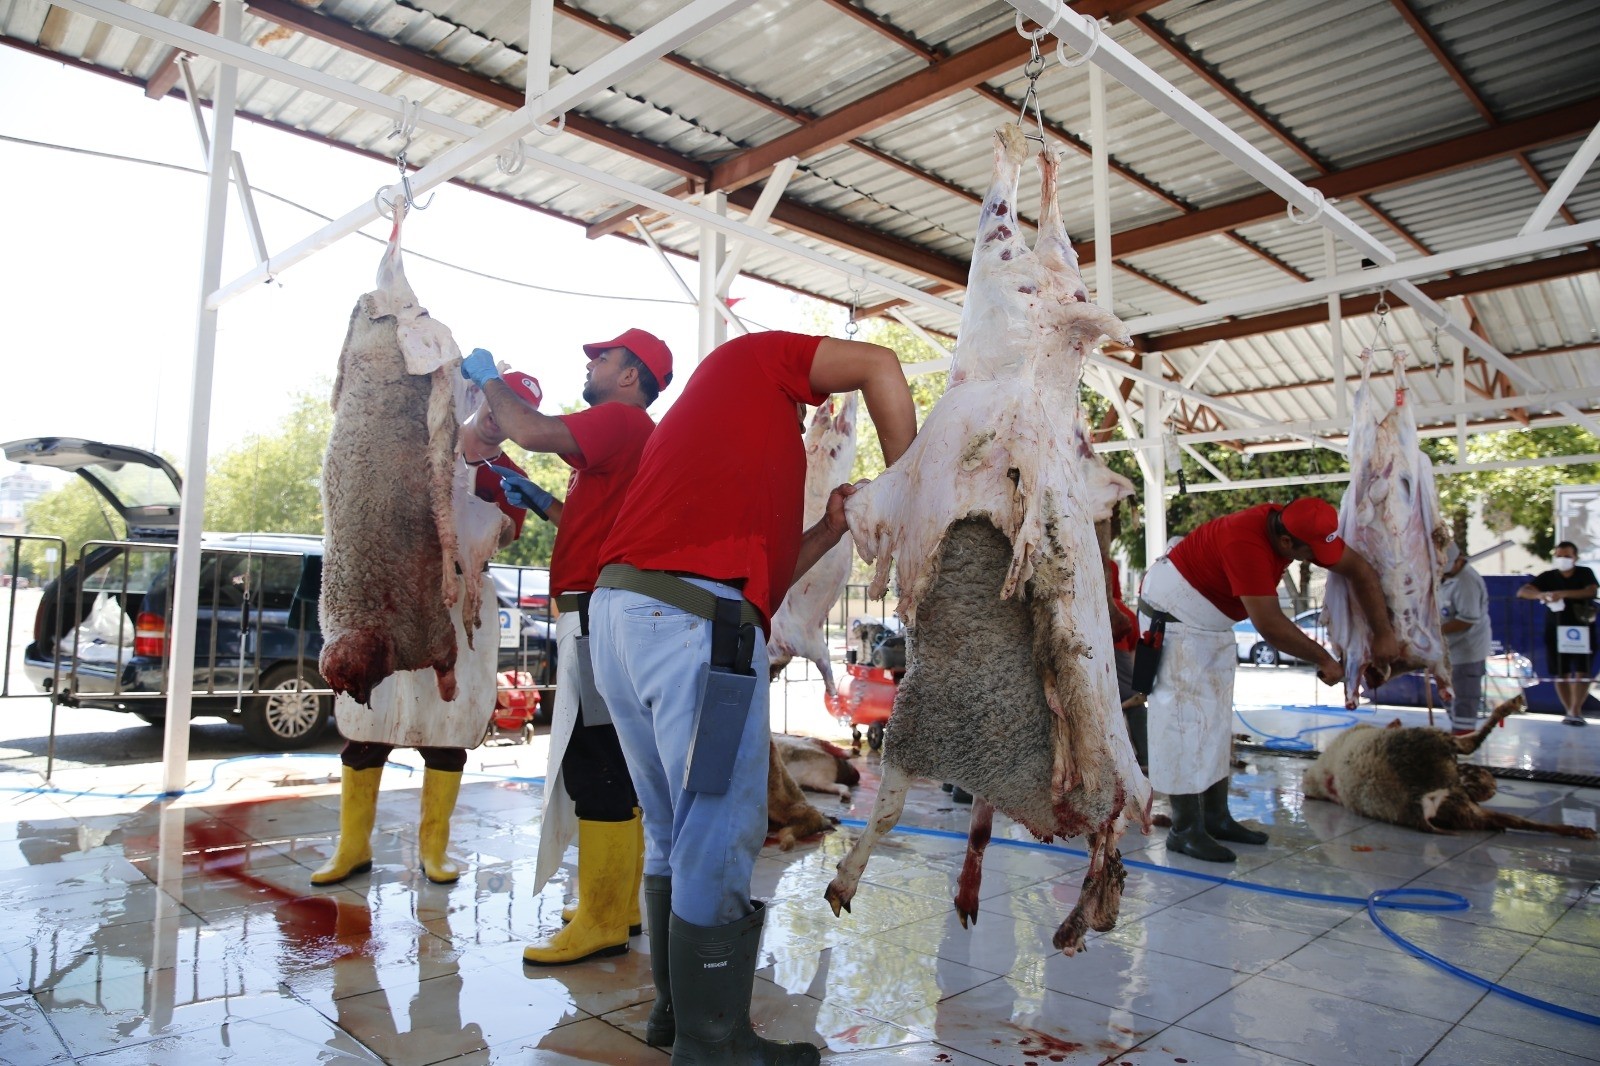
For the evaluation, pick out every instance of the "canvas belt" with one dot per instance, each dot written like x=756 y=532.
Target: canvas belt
x=567 y=602
x=672 y=589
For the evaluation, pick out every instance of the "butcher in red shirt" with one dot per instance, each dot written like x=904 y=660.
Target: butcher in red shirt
x=395 y=719
x=1225 y=570
x=708 y=542
x=588 y=790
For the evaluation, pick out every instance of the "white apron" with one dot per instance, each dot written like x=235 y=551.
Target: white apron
x=1191 y=709
x=406 y=710
x=560 y=824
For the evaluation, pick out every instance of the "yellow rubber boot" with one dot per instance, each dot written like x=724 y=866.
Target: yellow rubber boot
x=635 y=919
x=607 y=866
x=439 y=791
x=358 y=809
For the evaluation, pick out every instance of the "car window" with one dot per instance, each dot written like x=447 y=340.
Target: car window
x=135 y=486
x=269 y=580
x=132 y=570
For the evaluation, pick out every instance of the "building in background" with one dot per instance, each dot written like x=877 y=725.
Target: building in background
x=17 y=490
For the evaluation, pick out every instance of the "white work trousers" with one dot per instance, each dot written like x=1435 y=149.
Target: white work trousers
x=648 y=657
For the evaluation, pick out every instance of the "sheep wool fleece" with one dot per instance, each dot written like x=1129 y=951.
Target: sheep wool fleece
x=648 y=658
x=1191 y=707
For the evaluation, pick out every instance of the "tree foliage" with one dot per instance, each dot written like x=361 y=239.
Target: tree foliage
x=1522 y=496
x=74 y=512
x=272 y=482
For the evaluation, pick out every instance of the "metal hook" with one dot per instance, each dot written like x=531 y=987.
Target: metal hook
x=1305 y=218
x=1092 y=28
x=1038 y=35
x=404 y=127
x=1032 y=69
x=858 y=288
x=512 y=158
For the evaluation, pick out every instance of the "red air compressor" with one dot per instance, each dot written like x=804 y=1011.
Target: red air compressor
x=874 y=664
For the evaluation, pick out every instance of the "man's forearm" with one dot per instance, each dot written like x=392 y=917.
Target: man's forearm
x=894 y=416
x=1288 y=637
x=529 y=428
x=814 y=544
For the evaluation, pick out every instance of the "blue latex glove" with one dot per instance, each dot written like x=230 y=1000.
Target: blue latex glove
x=520 y=492
x=479 y=367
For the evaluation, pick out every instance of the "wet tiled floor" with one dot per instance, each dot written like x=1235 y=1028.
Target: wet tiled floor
x=189 y=933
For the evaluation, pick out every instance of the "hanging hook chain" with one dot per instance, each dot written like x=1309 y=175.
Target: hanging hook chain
x=1091 y=26
x=405 y=128
x=858 y=289
x=1032 y=70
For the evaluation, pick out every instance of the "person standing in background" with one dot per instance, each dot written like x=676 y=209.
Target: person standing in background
x=1464 y=602
x=1569 y=591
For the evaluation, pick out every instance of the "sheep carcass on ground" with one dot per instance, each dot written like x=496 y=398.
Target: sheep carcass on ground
x=1410 y=776
x=816 y=765
x=394 y=497
x=800 y=625
x=1010 y=690
x=1390 y=514
x=790 y=816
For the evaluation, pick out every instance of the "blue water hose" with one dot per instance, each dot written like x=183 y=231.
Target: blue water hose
x=1383 y=899
x=1346 y=718
x=51 y=790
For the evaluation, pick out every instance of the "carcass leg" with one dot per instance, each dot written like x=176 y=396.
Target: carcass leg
x=886 y=813
x=1099 y=899
x=978 y=834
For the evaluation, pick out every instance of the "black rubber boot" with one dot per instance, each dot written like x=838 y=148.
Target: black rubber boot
x=1219 y=823
x=660 y=1029
x=1189 y=831
x=713 y=975
x=960 y=795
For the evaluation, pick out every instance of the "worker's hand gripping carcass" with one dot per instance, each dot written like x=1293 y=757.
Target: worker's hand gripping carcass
x=1010 y=690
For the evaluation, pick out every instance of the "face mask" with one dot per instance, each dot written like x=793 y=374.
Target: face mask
x=1564 y=564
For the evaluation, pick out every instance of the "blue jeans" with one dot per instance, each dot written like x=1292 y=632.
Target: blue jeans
x=647 y=659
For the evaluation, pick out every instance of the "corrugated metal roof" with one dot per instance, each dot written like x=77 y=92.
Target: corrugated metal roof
x=1347 y=80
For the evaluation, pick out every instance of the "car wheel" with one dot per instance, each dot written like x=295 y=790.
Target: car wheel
x=150 y=719
x=285 y=716
x=1264 y=654
x=875 y=736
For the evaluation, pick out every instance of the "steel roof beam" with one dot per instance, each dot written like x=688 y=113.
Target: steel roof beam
x=1472 y=149
x=1506 y=277
x=1292 y=295
x=167 y=71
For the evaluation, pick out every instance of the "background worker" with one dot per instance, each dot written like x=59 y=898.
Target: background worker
x=709 y=540
x=1464 y=603
x=1569 y=591
x=588 y=791
x=1225 y=570
x=421 y=713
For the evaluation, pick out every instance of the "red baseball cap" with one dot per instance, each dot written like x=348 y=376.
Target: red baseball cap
x=1314 y=521
x=651 y=350
x=524 y=385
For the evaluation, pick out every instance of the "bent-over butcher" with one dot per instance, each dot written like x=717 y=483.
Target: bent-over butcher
x=1219 y=574
x=709 y=540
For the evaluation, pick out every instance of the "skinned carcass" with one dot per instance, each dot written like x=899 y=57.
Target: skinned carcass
x=1390 y=514
x=1010 y=689
x=1411 y=777
x=399 y=534
x=799 y=626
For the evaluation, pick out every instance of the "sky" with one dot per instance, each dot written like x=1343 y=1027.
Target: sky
x=100 y=272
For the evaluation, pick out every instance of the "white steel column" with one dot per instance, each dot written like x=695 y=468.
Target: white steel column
x=666 y=264
x=1337 y=369
x=713 y=245
x=186 y=584
x=1155 y=468
x=541 y=13
x=1101 y=161
x=771 y=193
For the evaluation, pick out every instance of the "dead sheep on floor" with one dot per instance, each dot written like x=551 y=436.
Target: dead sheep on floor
x=1411 y=777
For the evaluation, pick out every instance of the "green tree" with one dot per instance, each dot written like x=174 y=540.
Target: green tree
x=538 y=538
x=272 y=482
x=1521 y=496
x=74 y=512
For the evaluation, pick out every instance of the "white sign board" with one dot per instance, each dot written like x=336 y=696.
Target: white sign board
x=1578 y=520
x=508 y=628
x=1572 y=640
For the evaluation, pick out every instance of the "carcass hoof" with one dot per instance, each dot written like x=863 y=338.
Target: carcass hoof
x=838 y=897
x=967 y=916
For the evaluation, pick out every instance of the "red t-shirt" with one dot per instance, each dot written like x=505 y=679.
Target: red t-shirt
x=721 y=486
x=1131 y=641
x=1230 y=557
x=611 y=437
x=487 y=487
